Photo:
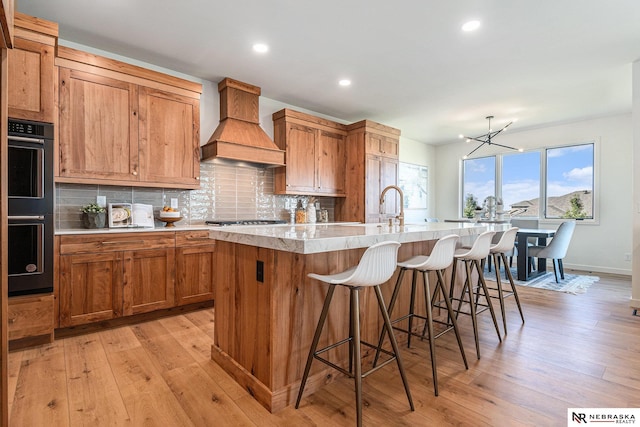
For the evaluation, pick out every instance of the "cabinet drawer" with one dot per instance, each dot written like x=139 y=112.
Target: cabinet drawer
x=193 y=238
x=96 y=243
x=30 y=316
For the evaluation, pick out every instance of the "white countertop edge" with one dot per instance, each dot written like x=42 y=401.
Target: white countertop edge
x=309 y=239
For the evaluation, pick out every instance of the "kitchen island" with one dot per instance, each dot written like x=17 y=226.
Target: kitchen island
x=266 y=308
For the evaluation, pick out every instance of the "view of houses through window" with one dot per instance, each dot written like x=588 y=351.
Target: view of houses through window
x=563 y=178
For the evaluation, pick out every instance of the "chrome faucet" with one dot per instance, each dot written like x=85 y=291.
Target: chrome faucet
x=401 y=214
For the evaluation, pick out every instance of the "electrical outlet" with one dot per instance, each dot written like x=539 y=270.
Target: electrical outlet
x=101 y=201
x=174 y=203
x=627 y=257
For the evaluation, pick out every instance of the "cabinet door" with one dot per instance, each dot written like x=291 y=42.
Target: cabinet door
x=148 y=280
x=31 y=76
x=98 y=127
x=90 y=287
x=372 y=189
x=169 y=138
x=195 y=270
x=301 y=159
x=331 y=163
x=381 y=145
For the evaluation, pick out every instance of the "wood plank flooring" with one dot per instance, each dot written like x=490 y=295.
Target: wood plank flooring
x=573 y=351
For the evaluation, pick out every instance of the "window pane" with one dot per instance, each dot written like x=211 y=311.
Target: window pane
x=479 y=181
x=570 y=182
x=521 y=184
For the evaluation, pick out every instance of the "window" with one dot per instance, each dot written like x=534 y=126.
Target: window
x=520 y=190
x=570 y=182
x=414 y=182
x=566 y=188
x=479 y=183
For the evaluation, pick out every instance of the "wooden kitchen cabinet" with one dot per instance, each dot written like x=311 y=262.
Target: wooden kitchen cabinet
x=315 y=154
x=31 y=89
x=98 y=127
x=31 y=316
x=195 y=267
x=103 y=276
x=125 y=125
x=372 y=159
x=169 y=142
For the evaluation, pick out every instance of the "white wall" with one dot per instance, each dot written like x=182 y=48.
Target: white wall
x=635 y=207
x=594 y=247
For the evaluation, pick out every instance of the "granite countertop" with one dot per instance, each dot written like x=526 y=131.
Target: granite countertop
x=107 y=230
x=317 y=238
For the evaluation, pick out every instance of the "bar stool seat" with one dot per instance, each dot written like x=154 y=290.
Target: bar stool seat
x=376 y=266
x=472 y=257
x=440 y=258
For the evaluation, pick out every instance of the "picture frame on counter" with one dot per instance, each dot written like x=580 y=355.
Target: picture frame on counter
x=130 y=215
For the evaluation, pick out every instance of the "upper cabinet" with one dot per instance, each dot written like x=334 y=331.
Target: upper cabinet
x=315 y=154
x=7 y=8
x=124 y=125
x=31 y=69
x=372 y=159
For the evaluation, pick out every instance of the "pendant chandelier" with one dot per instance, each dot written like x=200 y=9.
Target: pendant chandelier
x=487 y=138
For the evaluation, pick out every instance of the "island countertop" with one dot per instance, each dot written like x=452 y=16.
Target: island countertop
x=318 y=238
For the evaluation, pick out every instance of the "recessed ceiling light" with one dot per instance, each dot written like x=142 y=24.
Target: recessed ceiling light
x=260 y=48
x=471 y=26
x=345 y=82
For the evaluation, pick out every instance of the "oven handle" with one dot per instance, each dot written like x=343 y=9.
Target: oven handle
x=26 y=217
x=26 y=139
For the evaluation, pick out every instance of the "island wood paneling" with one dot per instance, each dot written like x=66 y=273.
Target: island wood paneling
x=264 y=329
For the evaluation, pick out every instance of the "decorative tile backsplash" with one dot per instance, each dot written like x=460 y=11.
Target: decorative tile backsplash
x=226 y=191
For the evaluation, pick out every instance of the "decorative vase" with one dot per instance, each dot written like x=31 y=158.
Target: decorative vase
x=94 y=219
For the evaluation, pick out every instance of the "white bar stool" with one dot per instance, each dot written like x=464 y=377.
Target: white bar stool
x=440 y=258
x=500 y=249
x=472 y=258
x=376 y=266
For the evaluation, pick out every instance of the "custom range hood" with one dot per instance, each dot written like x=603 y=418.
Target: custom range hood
x=239 y=136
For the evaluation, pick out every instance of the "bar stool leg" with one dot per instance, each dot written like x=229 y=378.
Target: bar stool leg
x=447 y=302
x=357 y=375
x=394 y=344
x=513 y=288
x=500 y=293
x=432 y=341
x=412 y=303
x=392 y=303
x=314 y=343
x=488 y=298
x=472 y=305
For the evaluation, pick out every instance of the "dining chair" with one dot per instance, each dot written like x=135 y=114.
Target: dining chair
x=556 y=250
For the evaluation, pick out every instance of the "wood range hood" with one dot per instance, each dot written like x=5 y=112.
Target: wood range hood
x=239 y=136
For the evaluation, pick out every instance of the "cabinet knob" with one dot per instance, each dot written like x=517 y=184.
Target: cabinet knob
x=135 y=173
x=197 y=178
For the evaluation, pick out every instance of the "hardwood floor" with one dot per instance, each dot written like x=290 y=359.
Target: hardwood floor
x=573 y=351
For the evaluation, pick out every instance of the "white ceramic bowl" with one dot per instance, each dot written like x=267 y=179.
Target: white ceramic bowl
x=164 y=214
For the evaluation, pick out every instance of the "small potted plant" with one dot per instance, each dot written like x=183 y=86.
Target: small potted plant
x=94 y=216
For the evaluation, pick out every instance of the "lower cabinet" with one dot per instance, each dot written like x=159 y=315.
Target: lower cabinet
x=106 y=276
x=31 y=316
x=195 y=267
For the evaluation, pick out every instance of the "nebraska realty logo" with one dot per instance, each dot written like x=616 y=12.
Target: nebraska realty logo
x=580 y=416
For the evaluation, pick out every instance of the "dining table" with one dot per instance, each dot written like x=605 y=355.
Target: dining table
x=522 y=246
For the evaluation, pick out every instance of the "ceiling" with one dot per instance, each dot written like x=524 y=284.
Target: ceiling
x=411 y=66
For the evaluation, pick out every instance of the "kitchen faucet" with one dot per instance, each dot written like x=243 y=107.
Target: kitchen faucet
x=401 y=214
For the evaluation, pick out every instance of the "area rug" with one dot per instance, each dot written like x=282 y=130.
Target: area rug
x=572 y=283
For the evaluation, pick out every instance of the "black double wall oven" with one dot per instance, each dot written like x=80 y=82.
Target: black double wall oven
x=30 y=207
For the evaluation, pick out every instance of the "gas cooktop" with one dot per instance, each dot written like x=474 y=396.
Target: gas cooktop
x=244 y=222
